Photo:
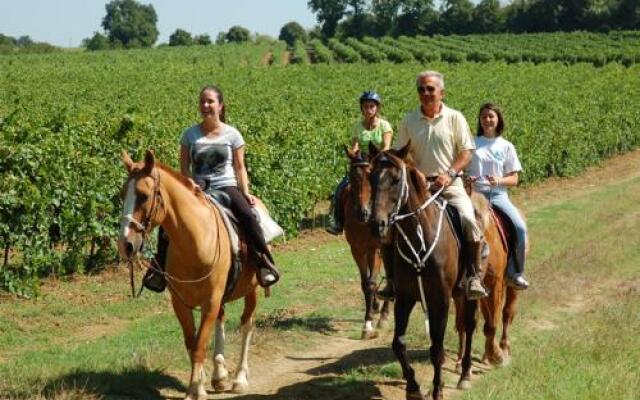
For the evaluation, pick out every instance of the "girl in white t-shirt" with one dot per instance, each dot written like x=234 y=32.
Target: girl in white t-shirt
x=495 y=167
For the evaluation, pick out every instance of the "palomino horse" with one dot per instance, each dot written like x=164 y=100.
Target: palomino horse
x=197 y=265
x=425 y=259
x=365 y=248
x=502 y=298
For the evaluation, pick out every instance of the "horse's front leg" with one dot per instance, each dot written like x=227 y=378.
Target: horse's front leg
x=402 y=310
x=458 y=299
x=209 y=314
x=508 y=313
x=220 y=372
x=470 y=308
x=185 y=317
x=241 y=383
x=491 y=311
x=367 y=286
x=438 y=308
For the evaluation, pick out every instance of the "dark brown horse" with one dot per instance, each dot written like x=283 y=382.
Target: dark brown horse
x=426 y=260
x=197 y=266
x=365 y=247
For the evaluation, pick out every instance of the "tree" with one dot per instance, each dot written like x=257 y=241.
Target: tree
x=24 y=41
x=130 y=23
x=202 y=40
x=385 y=13
x=457 y=16
x=626 y=15
x=416 y=17
x=330 y=12
x=292 y=31
x=180 y=38
x=97 y=42
x=488 y=17
x=238 y=34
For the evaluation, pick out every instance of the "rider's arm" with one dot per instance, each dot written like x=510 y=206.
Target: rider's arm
x=509 y=180
x=185 y=160
x=386 y=140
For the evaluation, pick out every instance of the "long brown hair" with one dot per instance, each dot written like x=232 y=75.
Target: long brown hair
x=493 y=107
x=218 y=92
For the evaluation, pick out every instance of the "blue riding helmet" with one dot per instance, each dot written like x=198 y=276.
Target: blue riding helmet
x=370 y=96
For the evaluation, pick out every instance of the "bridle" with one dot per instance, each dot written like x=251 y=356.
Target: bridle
x=145 y=227
x=419 y=263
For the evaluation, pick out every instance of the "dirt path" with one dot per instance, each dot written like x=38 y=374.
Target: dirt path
x=299 y=375
x=302 y=374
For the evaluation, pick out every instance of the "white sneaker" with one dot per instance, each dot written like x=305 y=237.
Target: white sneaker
x=518 y=283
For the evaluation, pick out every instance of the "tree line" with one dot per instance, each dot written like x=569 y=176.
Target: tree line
x=359 y=18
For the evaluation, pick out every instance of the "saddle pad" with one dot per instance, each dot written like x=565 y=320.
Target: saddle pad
x=504 y=225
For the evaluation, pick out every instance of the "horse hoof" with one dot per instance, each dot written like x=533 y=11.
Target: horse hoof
x=219 y=385
x=366 y=335
x=464 y=384
x=240 y=387
x=417 y=395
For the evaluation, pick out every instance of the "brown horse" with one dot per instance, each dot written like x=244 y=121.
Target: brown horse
x=502 y=298
x=365 y=248
x=426 y=260
x=197 y=266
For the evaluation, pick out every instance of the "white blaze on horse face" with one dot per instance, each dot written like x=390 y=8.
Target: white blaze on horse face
x=127 y=209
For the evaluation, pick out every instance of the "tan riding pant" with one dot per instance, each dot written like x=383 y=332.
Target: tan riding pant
x=458 y=197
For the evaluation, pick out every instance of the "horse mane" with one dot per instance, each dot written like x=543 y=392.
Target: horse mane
x=184 y=181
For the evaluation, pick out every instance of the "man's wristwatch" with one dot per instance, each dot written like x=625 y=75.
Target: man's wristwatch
x=452 y=173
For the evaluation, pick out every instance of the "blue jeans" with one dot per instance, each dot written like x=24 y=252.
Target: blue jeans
x=500 y=199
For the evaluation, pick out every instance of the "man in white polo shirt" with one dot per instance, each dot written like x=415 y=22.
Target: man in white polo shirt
x=441 y=145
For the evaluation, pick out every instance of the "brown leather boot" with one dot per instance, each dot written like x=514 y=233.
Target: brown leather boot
x=474 y=289
x=153 y=279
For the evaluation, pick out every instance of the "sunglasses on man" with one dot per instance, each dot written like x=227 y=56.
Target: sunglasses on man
x=425 y=89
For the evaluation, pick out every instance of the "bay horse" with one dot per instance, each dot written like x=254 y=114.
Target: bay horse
x=410 y=217
x=365 y=247
x=197 y=265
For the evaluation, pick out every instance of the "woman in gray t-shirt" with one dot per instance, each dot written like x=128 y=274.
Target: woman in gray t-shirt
x=212 y=154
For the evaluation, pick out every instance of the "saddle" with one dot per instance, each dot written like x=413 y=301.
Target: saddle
x=270 y=230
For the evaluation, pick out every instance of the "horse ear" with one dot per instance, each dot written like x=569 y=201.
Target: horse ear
x=149 y=161
x=373 y=150
x=348 y=151
x=126 y=159
x=402 y=153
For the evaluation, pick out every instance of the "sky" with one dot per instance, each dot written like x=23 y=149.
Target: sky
x=66 y=22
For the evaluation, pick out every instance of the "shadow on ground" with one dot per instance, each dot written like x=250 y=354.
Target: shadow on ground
x=335 y=380
x=138 y=383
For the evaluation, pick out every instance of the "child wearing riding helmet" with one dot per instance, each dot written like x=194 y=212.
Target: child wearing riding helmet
x=494 y=167
x=371 y=127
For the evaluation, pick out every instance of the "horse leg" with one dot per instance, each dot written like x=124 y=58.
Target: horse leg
x=220 y=372
x=240 y=383
x=402 y=310
x=508 y=313
x=438 y=308
x=209 y=314
x=459 y=306
x=367 y=287
x=376 y=265
x=470 y=308
x=185 y=317
x=490 y=307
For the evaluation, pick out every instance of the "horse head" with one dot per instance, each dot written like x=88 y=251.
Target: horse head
x=389 y=187
x=359 y=170
x=142 y=204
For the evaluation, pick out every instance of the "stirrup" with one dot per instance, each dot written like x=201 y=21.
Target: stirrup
x=267 y=273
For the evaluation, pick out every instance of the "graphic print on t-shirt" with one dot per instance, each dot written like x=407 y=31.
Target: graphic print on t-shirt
x=210 y=159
